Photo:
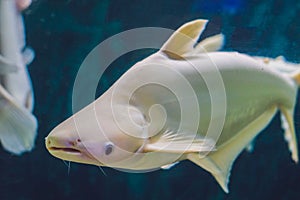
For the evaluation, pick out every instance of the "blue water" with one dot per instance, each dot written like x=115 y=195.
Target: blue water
x=63 y=32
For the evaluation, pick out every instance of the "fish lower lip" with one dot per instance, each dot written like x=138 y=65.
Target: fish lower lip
x=67 y=150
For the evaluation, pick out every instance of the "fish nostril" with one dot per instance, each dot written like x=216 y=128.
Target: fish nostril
x=72 y=143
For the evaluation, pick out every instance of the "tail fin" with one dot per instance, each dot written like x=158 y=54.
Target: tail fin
x=287 y=121
x=17 y=125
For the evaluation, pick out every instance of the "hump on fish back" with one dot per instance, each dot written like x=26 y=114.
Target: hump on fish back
x=183 y=42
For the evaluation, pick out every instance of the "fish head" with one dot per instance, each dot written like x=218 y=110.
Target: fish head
x=94 y=136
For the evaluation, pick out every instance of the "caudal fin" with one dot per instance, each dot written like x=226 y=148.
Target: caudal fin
x=287 y=121
x=17 y=125
x=288 y=124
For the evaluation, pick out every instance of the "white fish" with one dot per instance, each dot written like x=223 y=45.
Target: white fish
x=127 y=128
x=17 y=124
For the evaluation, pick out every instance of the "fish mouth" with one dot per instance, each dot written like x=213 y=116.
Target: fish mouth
x=64 y=150
x=67 y=150
x=57 y=146
x=73 y=155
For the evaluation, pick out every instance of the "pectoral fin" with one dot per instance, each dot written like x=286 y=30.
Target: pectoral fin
x=219 y=163
x=6 y=66
x=17 y=125
x=171 y=142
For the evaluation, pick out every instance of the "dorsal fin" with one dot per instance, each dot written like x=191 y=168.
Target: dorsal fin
x=210 y=44
x=183 y=39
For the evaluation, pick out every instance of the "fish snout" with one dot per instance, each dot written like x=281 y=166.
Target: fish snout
x=69 y=148
x=60 y=142
x=55 y=143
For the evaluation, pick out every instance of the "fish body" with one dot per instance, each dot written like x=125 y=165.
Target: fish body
x=186 y=101
x=17 y=124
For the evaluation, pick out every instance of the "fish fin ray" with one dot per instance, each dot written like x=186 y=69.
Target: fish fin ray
x=17 y=125
x=173 y=142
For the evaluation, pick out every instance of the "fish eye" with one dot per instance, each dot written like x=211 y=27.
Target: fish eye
x=108 y=148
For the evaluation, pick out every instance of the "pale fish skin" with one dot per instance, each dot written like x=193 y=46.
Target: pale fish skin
x=18 y=126
x=102 y=133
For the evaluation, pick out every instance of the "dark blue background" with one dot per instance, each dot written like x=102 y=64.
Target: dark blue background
x=63 y=32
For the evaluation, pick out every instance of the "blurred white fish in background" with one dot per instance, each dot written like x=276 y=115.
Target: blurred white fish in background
x=18 y=125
